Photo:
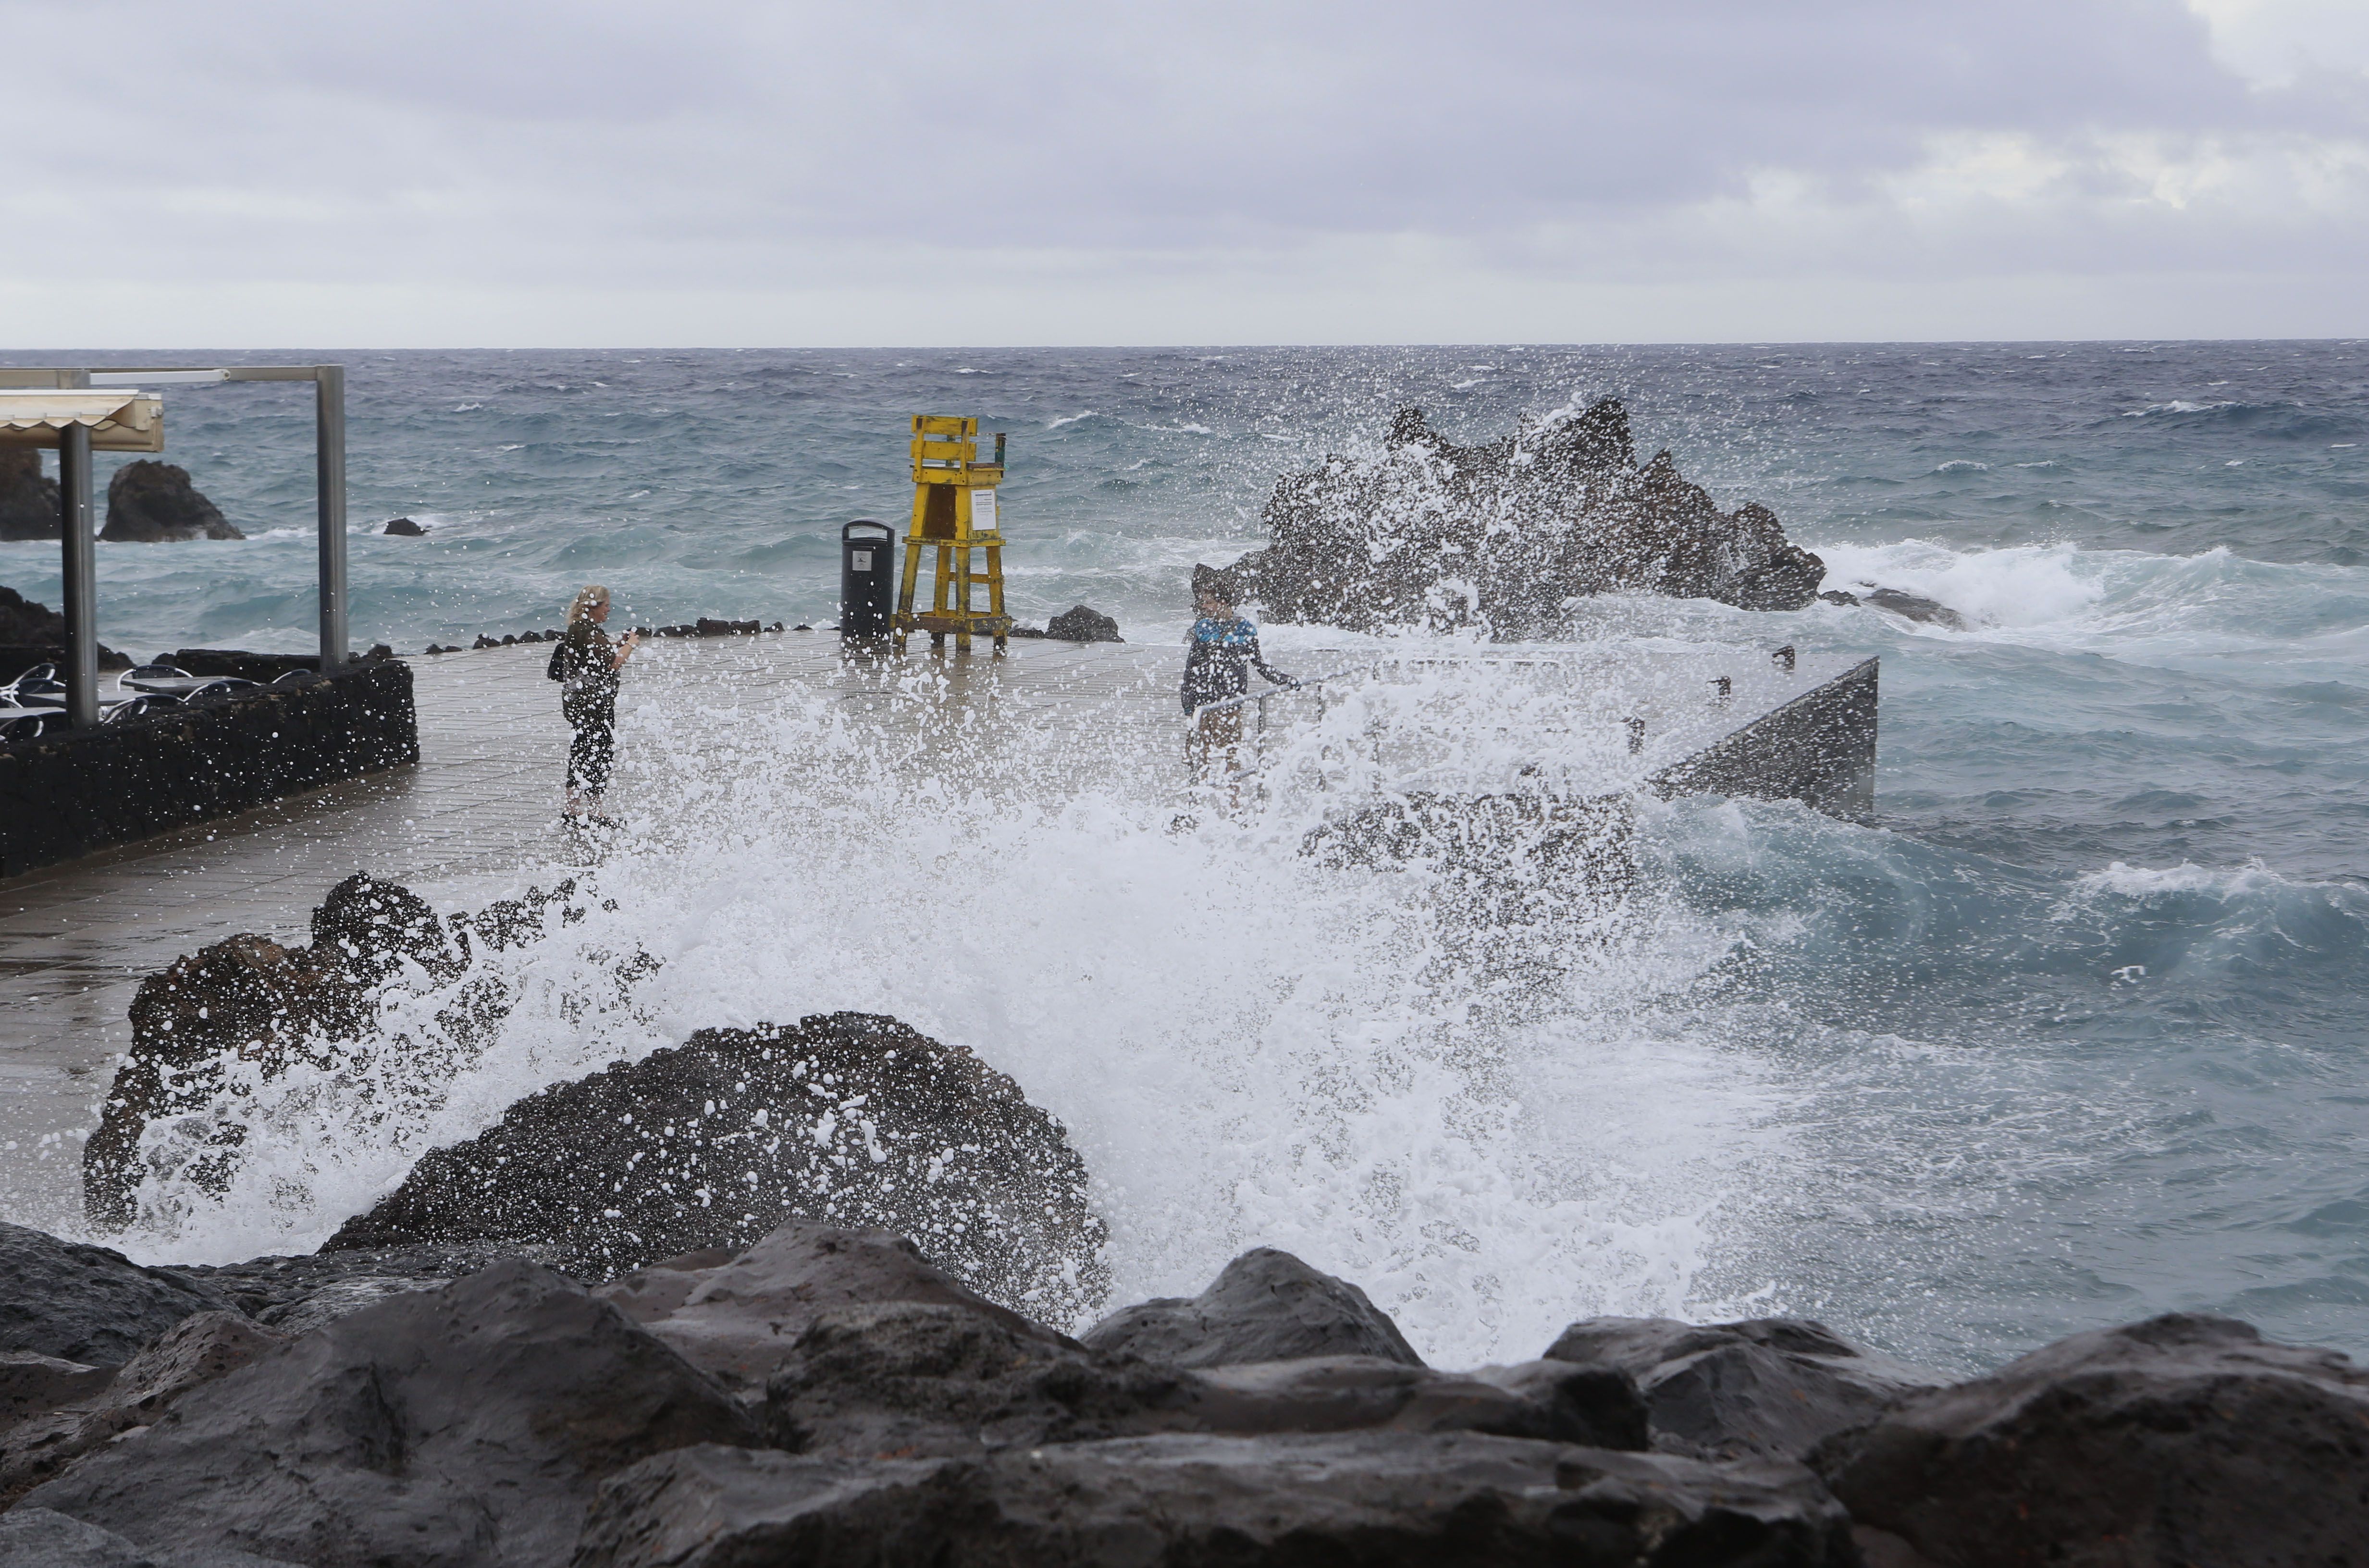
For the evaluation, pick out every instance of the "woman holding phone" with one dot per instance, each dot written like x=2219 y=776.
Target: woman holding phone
x=585 y=664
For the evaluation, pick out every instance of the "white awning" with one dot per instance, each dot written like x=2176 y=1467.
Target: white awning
x=118 y=420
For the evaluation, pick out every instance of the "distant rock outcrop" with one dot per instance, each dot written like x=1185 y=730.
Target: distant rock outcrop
x=404 y=528
x=1509 y=535
x=1078 y=624
x=150 y=502
x=28 y=500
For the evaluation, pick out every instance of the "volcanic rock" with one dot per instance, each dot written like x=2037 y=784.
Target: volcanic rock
x=404 y=528
x=1384 y=1499
x=40 y=1538
x=30 y=507
x=86 y=1304
x=713 y=628
x=1510 y=533
x=150 y=502
x=468 y=1425
x=1080 y=624
x=33 y=634
x=1767 y=1388
x=1265 y=1306
x=368 y=928
x=2182 y=1440
x=1913 y=607
x=847 y=1118
x=195 y=1350
x=735 y=1314
x=296 y=1294
x=34 y=1385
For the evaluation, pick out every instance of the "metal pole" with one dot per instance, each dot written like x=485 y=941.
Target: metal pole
x=82 y=576
x=329 y=483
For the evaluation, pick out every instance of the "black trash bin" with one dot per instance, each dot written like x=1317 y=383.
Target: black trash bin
x=867 y=571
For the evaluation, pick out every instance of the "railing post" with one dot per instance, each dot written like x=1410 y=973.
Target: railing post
x=81 y=563
x=329 y=483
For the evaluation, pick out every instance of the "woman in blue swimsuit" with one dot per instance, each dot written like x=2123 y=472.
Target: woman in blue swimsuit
x=1220 y=652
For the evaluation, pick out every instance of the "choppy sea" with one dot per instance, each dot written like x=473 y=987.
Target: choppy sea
x=2078 y=1033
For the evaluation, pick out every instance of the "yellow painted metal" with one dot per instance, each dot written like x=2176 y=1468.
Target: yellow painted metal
x=954 y=513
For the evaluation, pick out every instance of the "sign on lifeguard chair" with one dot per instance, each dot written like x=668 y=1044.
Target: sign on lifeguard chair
x=954 y=513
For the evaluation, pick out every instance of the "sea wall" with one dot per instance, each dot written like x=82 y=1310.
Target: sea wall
x=1819 y=749
x=66 y=794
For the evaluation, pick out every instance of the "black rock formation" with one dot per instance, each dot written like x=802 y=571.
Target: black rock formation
x=33 y=634
x=41 y=1538
x=1913 y=607
x=848 y=1117
x=1768 y=1388
x=34 y=1385
x=404 y=528
x=86 y=1304
x=296 y=1294
x=1265 y=1306
x=1078 y=624
x=1388 y=1500
x=1507 y=534
x=468 y=1425
x=2182 y=1440
x=150 y=502
x=195 y=1350
x=29 y=502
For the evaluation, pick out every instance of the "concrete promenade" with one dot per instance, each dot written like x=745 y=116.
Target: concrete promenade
x=76 y=939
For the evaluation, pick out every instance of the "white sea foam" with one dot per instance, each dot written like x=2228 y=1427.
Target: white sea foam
x=1249 y=1046
x=1963 y=465
x=1056 y=424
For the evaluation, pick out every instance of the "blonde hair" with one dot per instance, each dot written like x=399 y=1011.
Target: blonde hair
x=587 y=601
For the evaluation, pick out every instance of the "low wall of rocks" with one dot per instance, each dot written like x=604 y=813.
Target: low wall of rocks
x=66 y=794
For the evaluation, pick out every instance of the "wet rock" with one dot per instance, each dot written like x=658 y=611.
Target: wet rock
x=709 y=628
x=735 y=1314
x=468 y=1425
x=245 y=1004
x=1912 y=607
x=1080 y=624
x=295 y=1294
x=404 y=528
x=1509 y=534
x=1265 y=1306
x=150 y=502
x=34 y=1385
x=922 y=1378
x=1766 y=1387
x=30 y=507
x=846 y=1118
x=1369 y=1498
x=2182 y=1440
x=40 y=1538
x=32 y=633
x=368 y=928
x=86 y=1304
x=195 y=1350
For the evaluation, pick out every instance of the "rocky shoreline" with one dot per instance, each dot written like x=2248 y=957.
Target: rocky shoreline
x=827 y=1395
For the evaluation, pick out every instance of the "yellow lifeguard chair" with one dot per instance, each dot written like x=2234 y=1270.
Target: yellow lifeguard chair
x=954 y=512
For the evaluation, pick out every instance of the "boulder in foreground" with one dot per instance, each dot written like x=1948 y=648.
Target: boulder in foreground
x=468 y=1425
x=849 y=1117
x=2183 y=1439
x=1363 y=1498
x=1265 y=1306
x=85 y=1304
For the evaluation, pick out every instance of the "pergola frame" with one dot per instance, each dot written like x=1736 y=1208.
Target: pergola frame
x=81 y=593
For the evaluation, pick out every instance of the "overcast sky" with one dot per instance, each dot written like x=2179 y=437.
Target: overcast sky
x=459 y=172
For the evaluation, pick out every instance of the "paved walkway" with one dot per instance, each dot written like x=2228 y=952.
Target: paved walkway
x=76 y=940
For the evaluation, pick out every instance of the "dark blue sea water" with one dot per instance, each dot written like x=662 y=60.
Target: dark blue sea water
x=2080 y=1031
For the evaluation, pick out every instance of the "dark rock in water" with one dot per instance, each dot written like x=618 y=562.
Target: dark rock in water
x=1384 y=1499
x=1510 y=533
x=34 y=1385
x=33 y=634
x=2182 y=1440
x=1838 y=596
x=40 y=1538
x=847 y=1118
x=30 y=507
x=1911 y=607
x=404 y=528
x=468 y=1425
x=1080 y=624
x=708 y=628
x=1768 y=1388
x=150 y=502
x=193 y=1351
x=736 y=1315
x=368 y=928
x=86 y=1304
x=1265 y=1306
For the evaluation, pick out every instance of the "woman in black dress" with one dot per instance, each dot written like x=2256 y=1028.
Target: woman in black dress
x=585 y=664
